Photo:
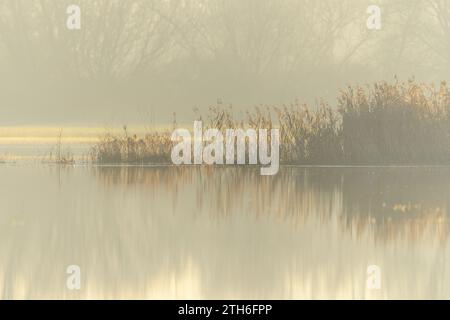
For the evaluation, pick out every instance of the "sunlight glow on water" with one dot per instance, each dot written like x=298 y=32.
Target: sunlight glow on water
x=36 y=144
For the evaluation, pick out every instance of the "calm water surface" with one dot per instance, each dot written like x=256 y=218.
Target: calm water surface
x=188 y=233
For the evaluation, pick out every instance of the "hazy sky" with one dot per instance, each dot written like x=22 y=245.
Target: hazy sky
x=140 y=61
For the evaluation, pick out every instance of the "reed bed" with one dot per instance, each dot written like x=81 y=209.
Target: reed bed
x=403 y=123
x=154 y=148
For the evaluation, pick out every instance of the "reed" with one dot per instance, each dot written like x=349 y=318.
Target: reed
x=384 y=124
x=154 y=147
x=57 y=155
x=406 y=123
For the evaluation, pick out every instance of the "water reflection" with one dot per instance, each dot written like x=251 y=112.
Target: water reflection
x=172 y=232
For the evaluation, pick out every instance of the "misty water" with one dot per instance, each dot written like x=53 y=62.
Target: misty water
x=215 y=232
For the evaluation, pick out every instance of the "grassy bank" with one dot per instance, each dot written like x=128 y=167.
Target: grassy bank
x=383 y=124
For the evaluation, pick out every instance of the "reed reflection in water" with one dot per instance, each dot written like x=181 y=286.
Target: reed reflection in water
x=190 y=232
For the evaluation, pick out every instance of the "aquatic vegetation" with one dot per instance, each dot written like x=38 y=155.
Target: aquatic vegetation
x=58 y=156
x=154 y=147
x=402 y=123
x=383 y=124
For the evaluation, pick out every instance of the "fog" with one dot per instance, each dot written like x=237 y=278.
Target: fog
x=142 y=61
